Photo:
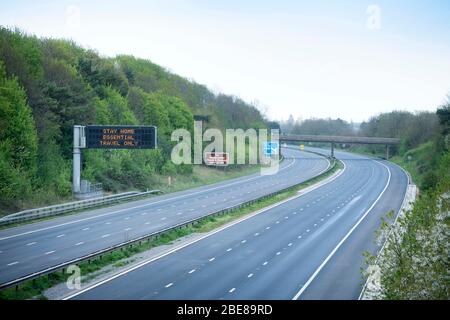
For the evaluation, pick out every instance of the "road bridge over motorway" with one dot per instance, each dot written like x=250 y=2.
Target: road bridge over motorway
x=340 y=139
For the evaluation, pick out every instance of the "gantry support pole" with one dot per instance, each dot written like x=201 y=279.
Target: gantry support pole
x=78 y=143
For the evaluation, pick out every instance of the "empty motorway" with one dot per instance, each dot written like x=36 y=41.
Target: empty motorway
x=37 y=246
x=307 y=248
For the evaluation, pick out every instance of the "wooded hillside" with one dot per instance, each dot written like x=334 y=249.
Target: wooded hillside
x=49 y=85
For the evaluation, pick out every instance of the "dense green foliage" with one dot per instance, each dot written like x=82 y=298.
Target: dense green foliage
x=415 y=262
x=18 y=141
x=48 y=85
x=412 y=128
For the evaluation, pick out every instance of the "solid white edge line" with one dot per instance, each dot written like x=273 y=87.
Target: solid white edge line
x=309 y=189
x=136 y=207
x=316 y=272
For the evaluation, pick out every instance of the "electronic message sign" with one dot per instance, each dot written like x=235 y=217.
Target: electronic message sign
x=120 y=137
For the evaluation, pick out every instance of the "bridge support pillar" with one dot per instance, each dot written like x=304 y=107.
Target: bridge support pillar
x=332 y=150
x=387 y=152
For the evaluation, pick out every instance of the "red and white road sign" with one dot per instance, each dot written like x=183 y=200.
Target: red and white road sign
x=217 y=158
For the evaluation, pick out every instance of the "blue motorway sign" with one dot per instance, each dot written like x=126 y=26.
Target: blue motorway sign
x=270 y=148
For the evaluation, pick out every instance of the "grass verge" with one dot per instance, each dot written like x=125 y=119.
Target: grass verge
x=33 y=289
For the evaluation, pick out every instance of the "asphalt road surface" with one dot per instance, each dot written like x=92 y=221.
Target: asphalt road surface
x=308 y=248
x=35 y=247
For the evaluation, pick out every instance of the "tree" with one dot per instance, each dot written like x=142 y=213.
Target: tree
x=18 y=140
x=443 y=114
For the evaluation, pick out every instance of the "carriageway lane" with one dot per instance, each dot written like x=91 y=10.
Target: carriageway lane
x=274 y=254
x=34 y=247
x=334 y=281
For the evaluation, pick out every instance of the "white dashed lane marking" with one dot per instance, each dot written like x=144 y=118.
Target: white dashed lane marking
x=50 y=252
x=13 y=263
x=31 y=243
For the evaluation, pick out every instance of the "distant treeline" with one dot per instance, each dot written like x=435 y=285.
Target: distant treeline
x=49 y=85
x=412 y=128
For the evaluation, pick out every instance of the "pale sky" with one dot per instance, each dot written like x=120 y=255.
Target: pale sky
x=347 y=59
